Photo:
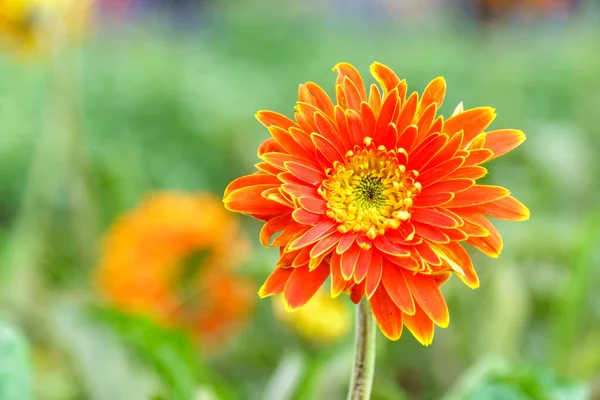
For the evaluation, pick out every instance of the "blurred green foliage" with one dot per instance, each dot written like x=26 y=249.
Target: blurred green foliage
x=173 y=109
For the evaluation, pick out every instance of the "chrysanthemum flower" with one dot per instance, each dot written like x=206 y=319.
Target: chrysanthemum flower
x=165 y=261
x=379 y=194
x=322 y=320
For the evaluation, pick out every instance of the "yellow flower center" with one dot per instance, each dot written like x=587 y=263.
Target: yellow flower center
x=371 y=191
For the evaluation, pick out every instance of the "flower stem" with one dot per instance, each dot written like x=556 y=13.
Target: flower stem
x=364 y=357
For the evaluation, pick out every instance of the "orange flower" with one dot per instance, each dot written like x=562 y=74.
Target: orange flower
x=172 y=259
x=378 y=193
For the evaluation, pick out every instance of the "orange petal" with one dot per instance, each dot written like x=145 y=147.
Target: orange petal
x=273 y=226
x=471 y=122
x=249 y=200
x=430 y=233
x=353 y=97
x=338 y=283
x=427 y=294
x=427 y=254
x=386 y=246
x=363 y=264
x=271 y=118
x=346 y=70
x=446 y=186
x=315 y=206
x=432 y=200
x=278 y=159
x=251 y=180
x=349 y=260
x=440 y=172
x=287 y=141
x=357 y=292
x=328 y=149
x=432 y=217
x=319 y=98
x=325 y=245
x=420 y=326
x=476 y=157
x=448 y=152
x=478 y=194
x=306 y=173
x=468 y=172
x=389 y=111
x=384 y=76
x=345 y=242
x=324 y=228
x=304 y=217
x=425 y=120
x=374 y=274
x=396 y=287
x=387 y=314
x=434 y=93
x=408 y=137
x=506 y=208
x=301 y=190
x=375 y=99
x=423 y=153
x=460 y=262
x=503 y=141
x=491 y=244
x=302 y=285
x=407 y=115
x=355 y=127
x=275 y=282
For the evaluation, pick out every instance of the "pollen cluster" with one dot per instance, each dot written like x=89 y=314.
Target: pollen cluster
x=371 y=192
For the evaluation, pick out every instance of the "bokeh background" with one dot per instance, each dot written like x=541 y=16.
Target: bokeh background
x=121 y=279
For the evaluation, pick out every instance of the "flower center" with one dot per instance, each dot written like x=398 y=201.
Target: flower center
x=371 y=191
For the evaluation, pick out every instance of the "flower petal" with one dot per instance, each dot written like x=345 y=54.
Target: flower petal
x=432 y=217
x=306 y=173
x=503 y=141
x=275 y=283
x=338 y=283
x=420 y=326
x=271 y=118
x=387 y=314
x=249 y=200
x=349 y=260
x=432 y=200
x=302 y=285
x=472 y=122
x=395 y=285
x=374 y=274
x=384 y=76
x=273 y=226
x=323 y=229
x=507 y=208
x=363 y=264
x=478 y=194
x=427 y=294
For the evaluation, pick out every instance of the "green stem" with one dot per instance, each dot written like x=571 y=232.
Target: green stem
x=364 y=357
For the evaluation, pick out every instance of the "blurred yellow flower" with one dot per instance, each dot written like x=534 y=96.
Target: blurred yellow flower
x=31 y=25
x=322 y=320
x=172 y=259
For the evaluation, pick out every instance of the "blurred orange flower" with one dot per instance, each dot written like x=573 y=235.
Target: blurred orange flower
x=172 y=259
x=378 y=193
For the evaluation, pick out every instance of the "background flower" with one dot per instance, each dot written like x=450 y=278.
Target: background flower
x=172 y=259
x=322 y=320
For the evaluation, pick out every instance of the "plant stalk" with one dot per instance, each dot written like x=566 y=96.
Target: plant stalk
x=363 y=369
